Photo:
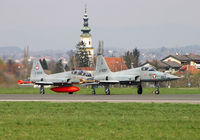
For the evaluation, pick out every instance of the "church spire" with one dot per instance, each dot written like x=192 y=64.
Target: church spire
x=85 y=29
x=86 y=38
x=85 y=8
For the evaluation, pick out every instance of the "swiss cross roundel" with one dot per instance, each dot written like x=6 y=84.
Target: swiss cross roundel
x=37 y=67
x=154 y=76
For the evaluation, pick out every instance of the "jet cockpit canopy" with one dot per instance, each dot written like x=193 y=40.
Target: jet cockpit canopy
x=147 y=69
x=82 y=73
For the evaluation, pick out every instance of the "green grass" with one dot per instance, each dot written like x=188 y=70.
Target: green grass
x=83 y=90
x=43 y=120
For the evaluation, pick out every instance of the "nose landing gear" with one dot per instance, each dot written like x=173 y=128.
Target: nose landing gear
x=139 y=89
x=157 y=88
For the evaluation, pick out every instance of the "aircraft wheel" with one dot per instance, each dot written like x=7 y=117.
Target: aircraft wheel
x=107 y=91
x=157 y=92
x=70 y=93
x=42 y=89
x=93 y=92
x=139 y=91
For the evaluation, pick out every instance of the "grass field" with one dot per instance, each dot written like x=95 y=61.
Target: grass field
x=83 y=90
x=43 y=120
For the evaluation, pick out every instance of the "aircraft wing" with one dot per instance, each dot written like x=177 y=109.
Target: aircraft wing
x=100 y=82
x=109 y=81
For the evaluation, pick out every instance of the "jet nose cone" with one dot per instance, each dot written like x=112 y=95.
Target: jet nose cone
x=172 y=77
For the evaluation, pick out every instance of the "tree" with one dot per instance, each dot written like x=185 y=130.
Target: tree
x=44 y=64
x=2 y=65
x=73 y=60
x=67 y=68
x=51 y=66
x=136 y=55
x=100 y=48
x=2 y=70
x=10 y=64
x=59 y=67
x=83 y=56
x=132 y=58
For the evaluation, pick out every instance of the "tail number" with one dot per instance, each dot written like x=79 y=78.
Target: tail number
x=38 y=73
x=102 y=70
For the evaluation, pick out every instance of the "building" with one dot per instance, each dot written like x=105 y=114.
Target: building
x=116 y=63
x=169 y=66
x=192 y=60
x=188 y=69
x=159 y=65
x=181 y=59
x=86 y=39
x=173 y=66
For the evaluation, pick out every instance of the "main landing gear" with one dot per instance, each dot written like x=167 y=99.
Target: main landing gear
x=139 y=89
x=157 y=88
x=107 y=89
x=93 y=90
x=42 y=89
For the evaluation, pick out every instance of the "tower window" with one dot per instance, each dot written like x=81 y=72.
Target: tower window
x=89 y=42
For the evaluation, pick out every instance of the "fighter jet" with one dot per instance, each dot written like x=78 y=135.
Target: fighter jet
x=135 y=76
x=62 y=82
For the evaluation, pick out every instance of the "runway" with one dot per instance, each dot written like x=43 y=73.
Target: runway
x=150 y=98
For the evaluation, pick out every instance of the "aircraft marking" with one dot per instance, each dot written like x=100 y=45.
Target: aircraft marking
x=154 y=76
x=37 y=67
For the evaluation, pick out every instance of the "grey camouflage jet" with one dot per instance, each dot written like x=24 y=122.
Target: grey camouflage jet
x=62 y=82
x=135 y=76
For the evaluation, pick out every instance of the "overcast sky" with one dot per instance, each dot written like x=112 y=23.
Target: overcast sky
x=56 y=24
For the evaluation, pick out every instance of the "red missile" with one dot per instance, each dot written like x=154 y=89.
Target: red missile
x=65 y=89
x=19 y=82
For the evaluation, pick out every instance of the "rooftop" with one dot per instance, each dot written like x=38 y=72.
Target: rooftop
x=116 y=63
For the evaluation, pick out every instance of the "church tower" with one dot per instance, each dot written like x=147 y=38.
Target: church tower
x=86 y=38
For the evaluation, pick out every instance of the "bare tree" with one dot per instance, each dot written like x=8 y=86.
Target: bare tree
x=132 y=58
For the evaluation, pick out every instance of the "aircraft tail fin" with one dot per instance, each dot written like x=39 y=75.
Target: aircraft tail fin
x=101 y=66
x=37 y=70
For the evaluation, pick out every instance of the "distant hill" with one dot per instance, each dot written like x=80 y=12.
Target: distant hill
x=160 y=53
x=10 y=49
x=10 y=52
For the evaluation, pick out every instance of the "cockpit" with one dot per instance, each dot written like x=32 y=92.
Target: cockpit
x=81 y=73
x=147 y=69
